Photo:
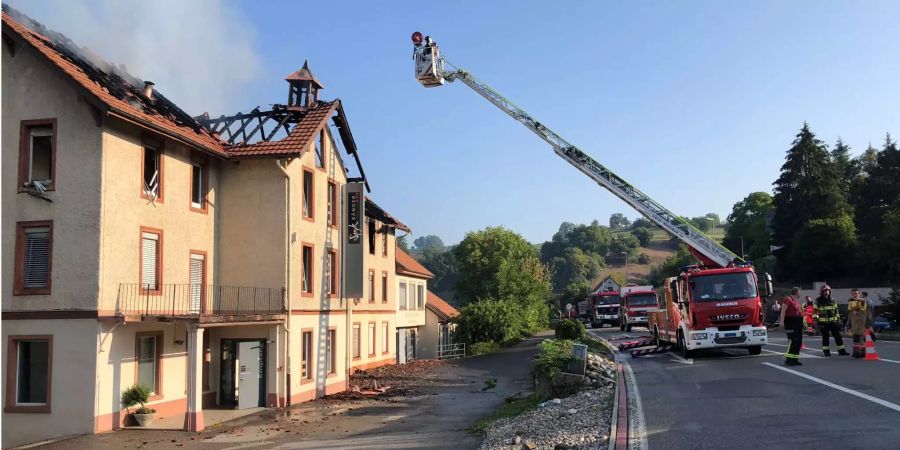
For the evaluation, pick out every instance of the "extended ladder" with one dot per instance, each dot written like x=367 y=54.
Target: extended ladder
x=430 y=72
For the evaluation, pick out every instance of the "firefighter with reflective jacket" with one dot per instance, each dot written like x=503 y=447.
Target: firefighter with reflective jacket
x=826 y=313
x=792 y=321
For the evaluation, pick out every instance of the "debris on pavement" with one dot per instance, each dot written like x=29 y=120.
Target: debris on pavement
x=388 y=381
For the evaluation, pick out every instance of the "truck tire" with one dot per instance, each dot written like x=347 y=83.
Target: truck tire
x=682 y=347
x=755 y=350
x=656 y=341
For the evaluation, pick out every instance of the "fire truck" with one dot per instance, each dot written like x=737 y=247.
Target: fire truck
x=635 y=304
x=604 y=308
x=715 y=303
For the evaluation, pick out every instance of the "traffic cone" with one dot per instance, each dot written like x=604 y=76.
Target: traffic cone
x=871 y=355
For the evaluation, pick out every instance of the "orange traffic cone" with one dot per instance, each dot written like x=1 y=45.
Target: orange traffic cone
x=871 y=355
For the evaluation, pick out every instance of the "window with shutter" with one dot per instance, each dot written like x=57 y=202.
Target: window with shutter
x=198 y=275
x=150 y=261
x=34 y=242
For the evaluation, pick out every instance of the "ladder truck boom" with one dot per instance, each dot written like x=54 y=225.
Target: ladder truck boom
x=430 y=71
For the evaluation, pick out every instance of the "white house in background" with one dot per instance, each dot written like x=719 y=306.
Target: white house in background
x=412 y=284
x=439 y=328
x=607 y=285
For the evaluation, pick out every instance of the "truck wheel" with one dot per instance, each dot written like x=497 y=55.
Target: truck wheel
x=755 y=350
x=656 y=341
x=682 y=347
x=628 y=328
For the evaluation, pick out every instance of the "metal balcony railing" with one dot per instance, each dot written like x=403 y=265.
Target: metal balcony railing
x=197 y=300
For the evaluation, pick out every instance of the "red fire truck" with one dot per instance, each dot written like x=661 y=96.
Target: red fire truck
x=636 y=303
x=713 y=308
x=604 y=309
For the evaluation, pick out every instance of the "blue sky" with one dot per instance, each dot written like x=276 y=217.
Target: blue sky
x=693 y=102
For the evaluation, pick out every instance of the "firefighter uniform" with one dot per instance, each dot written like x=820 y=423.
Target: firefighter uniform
x=793 y=326
x=825 y=312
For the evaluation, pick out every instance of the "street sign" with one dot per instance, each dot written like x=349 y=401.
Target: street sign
x=353 y=240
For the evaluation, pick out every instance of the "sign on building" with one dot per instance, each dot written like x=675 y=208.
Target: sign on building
x=354 y=243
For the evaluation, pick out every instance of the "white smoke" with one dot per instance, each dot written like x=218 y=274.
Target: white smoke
x=200 y=53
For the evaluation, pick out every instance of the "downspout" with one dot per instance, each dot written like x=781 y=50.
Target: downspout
x=287 y=283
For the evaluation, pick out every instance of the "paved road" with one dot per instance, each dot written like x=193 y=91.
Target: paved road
x=729 y=399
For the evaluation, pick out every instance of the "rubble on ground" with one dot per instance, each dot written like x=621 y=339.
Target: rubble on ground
x=387 y=381
x=553 y=424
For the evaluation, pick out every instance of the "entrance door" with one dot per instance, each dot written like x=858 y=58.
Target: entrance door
x=401 y=346
x=198 y=275
x=250 y=374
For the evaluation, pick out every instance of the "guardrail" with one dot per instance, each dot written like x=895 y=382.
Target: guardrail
x=186 y=300
x=448 y=351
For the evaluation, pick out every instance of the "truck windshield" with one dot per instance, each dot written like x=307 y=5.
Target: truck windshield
x=726 y=286
x=642 y=300
x=608 y=300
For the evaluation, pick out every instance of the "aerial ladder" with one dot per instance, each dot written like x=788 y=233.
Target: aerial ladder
x=430 y=72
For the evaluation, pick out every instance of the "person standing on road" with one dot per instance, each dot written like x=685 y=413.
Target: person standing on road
x=792 y=320
x=776 y=313
x=871 y=305
x=827 y=316
x=860 y=312
x=808 y=311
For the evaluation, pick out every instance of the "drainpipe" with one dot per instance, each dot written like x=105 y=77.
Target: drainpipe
x=287 y=283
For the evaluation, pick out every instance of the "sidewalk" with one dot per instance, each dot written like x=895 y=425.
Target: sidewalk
x=438 y=415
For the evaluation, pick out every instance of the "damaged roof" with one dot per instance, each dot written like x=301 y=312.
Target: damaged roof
x=373 y=211
x=110 y=89
x=296 y=142
x=407 y=265
x=440 y=307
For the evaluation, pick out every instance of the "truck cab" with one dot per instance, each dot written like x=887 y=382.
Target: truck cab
x=604 y=308
x=635 y=305
x=712 y=308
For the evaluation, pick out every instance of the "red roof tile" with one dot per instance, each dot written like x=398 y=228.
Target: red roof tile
x=296 y=142
x=440 y=307
x=407 y=265
x=158 y=114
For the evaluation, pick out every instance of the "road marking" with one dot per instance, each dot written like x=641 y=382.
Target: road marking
x=637 y=433
x=802 y=355
x=677 y=358
x=868 y=397
x=889 y=360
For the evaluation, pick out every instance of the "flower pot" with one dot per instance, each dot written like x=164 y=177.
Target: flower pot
x=144 y=420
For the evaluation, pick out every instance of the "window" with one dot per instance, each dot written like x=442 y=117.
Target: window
x=384 y=244
x=384 y=337
x=306 y=356
x=371 y=286
x=320 y=150
x=306 y=288
x=198 y=280
x=37 y=154
x=151 y=257
x=152 y=173
x=330 y=353
x=420 y=297
x=28 y=373
x=331 y=273
x=356 y=343
x=149 y=353
x=308 y=197
x=198 y=187
x=372 y=339
x=34 y=249
x=401 y=297
x=332 y=204
x=384 y=287
x=371 y=237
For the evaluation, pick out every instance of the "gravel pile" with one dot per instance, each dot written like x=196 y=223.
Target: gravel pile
x=578 y=422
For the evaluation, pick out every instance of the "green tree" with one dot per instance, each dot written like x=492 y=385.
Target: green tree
x=714 y=219
x=878 y=192
x=847 y=168
x=643 y=235
x=823 y=247
x=443 y=266
x=641 y=222
x=701 y=223
x=575 y=292
x=429 y=243
x=669 y=267
x=483 y=256
x=805 y=191
x=747 y=224
x=889 y=242
x=618 y=221
x=402 y=245
x=623 y=243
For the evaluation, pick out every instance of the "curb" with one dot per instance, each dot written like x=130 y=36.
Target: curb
x=618 y=433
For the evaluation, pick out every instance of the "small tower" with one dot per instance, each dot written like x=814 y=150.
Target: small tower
x=304 y=88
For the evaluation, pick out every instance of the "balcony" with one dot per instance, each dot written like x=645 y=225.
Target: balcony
x=199 y=302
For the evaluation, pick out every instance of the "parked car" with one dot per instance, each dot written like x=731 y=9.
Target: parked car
x=882 y=323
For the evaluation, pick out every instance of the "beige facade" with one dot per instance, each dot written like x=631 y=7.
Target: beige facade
x=159 y=289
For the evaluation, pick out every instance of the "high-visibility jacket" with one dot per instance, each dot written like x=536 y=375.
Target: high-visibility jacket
x=825 y=310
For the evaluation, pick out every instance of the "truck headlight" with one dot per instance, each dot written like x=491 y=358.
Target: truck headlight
x=759 y=332
x=698 y=336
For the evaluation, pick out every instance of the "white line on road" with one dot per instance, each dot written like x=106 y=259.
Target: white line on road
x=677 y=358
x=802 y=355
x=868 y=397
x=888 y=360
x=637 y=433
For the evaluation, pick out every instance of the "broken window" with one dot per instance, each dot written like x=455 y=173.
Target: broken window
x=308 y=194
x=320 y=150
x=371 y=237
x=152 y=172
x=37 y=155
x=198 y=187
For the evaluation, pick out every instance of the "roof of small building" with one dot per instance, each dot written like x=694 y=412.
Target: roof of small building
x=296 y=142
x=439 y=306
x=407 y=265
x=110 y=89
x=304 y=74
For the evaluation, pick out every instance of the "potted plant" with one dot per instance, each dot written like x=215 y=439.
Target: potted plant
x=138 y=394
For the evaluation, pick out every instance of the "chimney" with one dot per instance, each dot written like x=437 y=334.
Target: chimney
x=148 y=89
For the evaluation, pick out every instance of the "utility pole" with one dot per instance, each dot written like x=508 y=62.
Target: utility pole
x=743 y=256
